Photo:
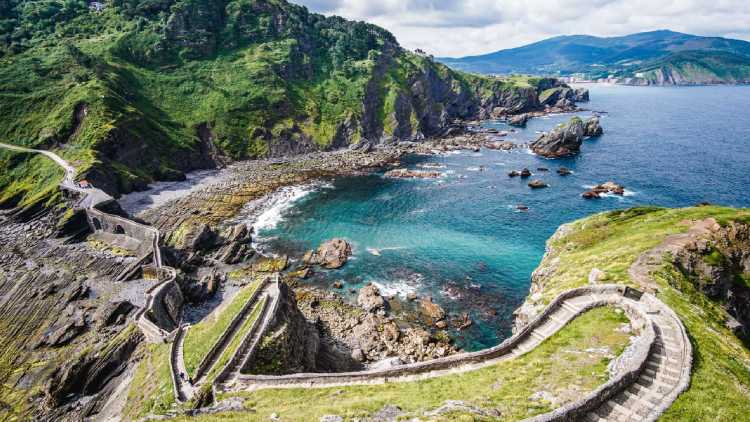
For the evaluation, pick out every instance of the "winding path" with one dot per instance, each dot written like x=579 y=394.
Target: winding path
x=90 y=198
x=656 y=372
x=186 y=386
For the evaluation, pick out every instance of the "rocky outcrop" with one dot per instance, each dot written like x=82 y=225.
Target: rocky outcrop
x=607 y=187
x=412 y=174
x=332 y=254
x=292 y=344
x=369 y=333
x=592 y=127
x=370 y=300
x=718 y=263
x=566 y=139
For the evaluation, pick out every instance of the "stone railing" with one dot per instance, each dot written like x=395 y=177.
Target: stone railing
x=252 y=338
x=626 y=377
x=174 y=370
x=210 y=358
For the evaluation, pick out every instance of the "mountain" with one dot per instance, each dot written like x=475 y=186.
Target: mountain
x=688 y=58
x=133 y=91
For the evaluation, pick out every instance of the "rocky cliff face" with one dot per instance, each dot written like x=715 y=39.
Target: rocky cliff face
x=719 y=266
x=65 y=327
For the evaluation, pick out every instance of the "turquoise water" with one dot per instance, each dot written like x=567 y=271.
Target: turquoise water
x=461 y=240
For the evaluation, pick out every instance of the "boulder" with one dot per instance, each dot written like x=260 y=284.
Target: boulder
x=564 y=171
x=332 y=254
x=369 y=298
x=609 y=187
x=525 y=173
x=537 y=184
x=519 y=120
x=432 y=309
x=514 y=173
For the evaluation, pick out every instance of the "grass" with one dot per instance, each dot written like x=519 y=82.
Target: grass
x=202 y=336
x=151 y=388
x=556 y=366
x=611 y=242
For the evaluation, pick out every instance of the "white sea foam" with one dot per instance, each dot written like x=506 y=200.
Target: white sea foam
x=279 y=203
x=399 y=287
x=472 y=168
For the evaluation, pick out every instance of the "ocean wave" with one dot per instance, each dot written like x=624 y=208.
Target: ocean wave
x=399 y=287
x=278 y=203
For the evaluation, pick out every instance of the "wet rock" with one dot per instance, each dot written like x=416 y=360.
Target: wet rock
x=432 y=309
x=519 y=120
x=609 y=187
x=514 y=173
x=537 y=184
x=338 y=285
x=411 y=296
x=369 y=298
x=590 y=195
x=525 y=173
x=521 y=207
x=564 y=171
x=332 y=254
x=502 y=146
x=412 y=174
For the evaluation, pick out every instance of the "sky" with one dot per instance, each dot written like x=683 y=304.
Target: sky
x=456 y=28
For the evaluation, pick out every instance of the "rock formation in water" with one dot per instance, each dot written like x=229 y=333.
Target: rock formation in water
x=566 y=139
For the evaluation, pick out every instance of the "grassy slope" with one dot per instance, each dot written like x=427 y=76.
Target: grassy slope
x=505 y=386
x=151 y=388
x=202 y=336
x=703 y=67
x=720 y=387
x=145 y=91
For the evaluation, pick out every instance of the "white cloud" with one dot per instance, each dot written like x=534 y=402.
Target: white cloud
x=468 y=27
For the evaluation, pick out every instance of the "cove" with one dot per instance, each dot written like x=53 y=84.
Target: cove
x=460 y=238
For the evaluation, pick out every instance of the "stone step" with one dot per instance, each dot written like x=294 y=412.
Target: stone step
x=539 y=336
x=570 y=307
x=654 y=385
x=669 y=371
x=661 y=376
x=593 y=417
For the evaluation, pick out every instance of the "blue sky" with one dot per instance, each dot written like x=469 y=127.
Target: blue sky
x=467 y=27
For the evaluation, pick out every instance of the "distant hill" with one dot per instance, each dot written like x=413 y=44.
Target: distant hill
x=657 y=57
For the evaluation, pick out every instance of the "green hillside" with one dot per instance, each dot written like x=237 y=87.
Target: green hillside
x=656 y=57
x=148 y=89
